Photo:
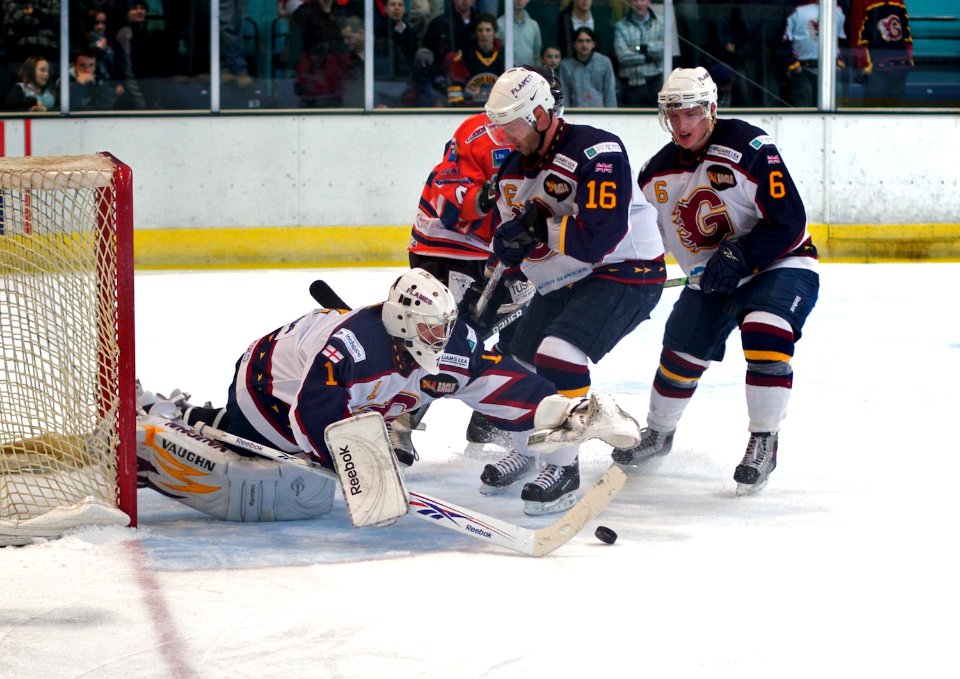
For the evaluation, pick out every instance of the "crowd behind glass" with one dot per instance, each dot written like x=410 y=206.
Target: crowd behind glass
x=153 y=55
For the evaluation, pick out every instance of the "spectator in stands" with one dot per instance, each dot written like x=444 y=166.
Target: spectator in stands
x=315 y=49
x=395 y=43
x=32 y=93
x=527 y=41
x=550 y=58
x=233 y=65
x=578 y=13
x=472 y=72
x=354 y=57
x=141 y=61
x=87 y=93
x=31 y=29
x=587 y=77
x=98 y=43
x=451 y=31
x=638 y=43
x=882 y=50
x=801 y=44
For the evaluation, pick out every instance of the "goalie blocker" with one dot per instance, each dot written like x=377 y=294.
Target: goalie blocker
x=201 y=472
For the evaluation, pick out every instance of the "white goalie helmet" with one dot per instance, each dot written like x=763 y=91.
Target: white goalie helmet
x=687 y=88
x=421 y=311
x=515 y=96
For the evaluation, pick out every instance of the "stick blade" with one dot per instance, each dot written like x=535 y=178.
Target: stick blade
x=549 y=538
x=326 y=297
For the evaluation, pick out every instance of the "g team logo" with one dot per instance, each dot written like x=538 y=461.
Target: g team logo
x=702 y=220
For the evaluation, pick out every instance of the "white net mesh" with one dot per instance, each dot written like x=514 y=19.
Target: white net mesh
x=59 y=349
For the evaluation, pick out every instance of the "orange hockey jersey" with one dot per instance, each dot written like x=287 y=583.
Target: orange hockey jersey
x=447 y=222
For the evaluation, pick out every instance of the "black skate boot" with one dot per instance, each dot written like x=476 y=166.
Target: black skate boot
x=757 y=463
x=554 y=489
x=652 y=444
x=481 y=433
x=499 y=476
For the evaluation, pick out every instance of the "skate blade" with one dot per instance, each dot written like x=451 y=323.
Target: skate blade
x=751 y=488
x=481 y=450
x=646 y=464
x=561 y=504
x=495 y=490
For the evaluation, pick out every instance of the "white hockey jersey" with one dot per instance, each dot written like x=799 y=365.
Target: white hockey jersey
x=737 y=188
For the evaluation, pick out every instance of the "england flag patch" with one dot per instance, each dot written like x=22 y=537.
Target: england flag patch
x=331 y=352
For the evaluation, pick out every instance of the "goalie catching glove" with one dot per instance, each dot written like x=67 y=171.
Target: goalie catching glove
x=561 y=421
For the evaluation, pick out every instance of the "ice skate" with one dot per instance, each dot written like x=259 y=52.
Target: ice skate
x=653 y=444
x=499 y=476
x=481 y=433
x=757 y=463
x=401 y=438
x=170 y=408
x=554 y=489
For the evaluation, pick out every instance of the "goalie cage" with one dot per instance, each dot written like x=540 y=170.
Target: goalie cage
x=67 y=377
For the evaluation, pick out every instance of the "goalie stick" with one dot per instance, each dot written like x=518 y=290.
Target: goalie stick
x=529 y=541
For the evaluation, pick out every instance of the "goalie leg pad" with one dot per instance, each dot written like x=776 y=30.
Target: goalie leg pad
x=203 y=474
x=578 y=420
x=372 y=485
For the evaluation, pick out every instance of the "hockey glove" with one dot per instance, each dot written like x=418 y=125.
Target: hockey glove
x=517 y=237
x=486 y=197
x=725 y=269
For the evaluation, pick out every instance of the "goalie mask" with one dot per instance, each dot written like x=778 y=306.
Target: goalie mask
x=421 y=311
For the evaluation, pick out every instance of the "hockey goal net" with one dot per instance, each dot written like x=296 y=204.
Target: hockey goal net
x=67 y=382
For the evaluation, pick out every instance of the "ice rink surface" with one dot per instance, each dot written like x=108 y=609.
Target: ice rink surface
x=843 y=566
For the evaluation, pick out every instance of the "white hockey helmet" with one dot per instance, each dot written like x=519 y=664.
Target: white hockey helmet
x=421 y=311
x=687 y=88
x=515 y=96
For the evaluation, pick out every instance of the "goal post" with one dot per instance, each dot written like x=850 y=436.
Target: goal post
x=67 y=361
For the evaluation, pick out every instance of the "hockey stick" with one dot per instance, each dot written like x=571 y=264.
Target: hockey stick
x=488 y=290
x=533 y=542
x=326 y=297
x=682 y=280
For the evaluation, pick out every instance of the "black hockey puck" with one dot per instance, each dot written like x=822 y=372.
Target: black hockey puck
x=606 y=535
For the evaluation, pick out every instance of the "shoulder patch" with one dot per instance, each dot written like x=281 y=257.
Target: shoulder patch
x=455 y=360
x=557 y=187
x=721 y=177
x=439 y=385
x=498 y=156
x=565 y=162
x=472 y=338
x=352 y=343
x=724 y=152
x=762 y=140
x=605 y=147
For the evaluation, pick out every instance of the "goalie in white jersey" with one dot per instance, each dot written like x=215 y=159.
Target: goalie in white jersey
x=729 y=211
x=321 y=369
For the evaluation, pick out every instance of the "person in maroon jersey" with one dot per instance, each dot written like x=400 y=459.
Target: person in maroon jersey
x=730 y=213
x=882 y=48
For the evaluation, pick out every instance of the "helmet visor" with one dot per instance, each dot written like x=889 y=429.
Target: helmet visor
x=673 y=116
x=510 y=133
